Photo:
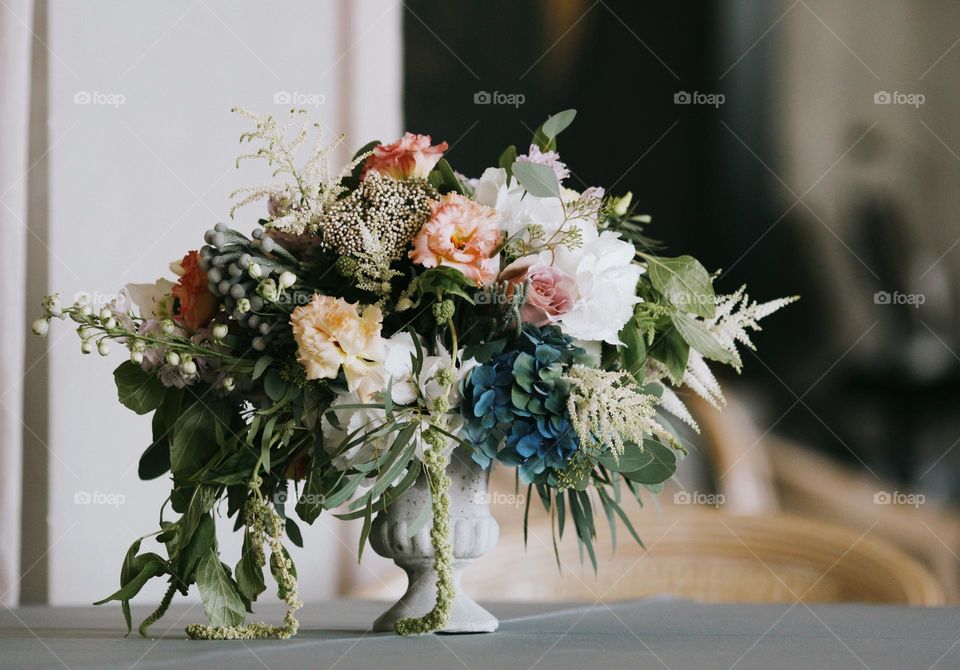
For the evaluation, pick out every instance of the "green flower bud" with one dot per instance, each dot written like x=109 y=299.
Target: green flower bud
x=86 y=347
x=168 y=326
x=136 y=357
x=110 y=323
x=52 y=305
x=622 y=204
x=229 y=384
x=173 y=358
x=443 y=311
x=243 y=306
x=347 y=266
x=41 y=327
x=102 y=348
x=254 y=270
x=287 y=279
x=189 y=368
x=220 y=331
x=105 y=313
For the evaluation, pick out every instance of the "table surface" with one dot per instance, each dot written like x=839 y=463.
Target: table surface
x=657 y=633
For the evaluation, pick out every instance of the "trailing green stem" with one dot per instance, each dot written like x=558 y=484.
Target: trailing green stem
x=160 y=611
x=436 y=466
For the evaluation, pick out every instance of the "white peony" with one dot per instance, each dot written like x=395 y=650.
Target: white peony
x=405 y=389
x=606 y=278
x=516 y=208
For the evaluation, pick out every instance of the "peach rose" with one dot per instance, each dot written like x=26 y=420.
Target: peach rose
x=409 y=157
x=461 y=234
x=552 y=291
x=331 y=333
x=194 y=306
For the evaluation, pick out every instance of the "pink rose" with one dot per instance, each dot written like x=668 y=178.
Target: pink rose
x=461 y=234
x=552 y=291
x=409 y=157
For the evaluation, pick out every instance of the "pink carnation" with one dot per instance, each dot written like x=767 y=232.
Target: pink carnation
x=409 y=157
x=549 y=158
x=551 y=294
x=461 y=234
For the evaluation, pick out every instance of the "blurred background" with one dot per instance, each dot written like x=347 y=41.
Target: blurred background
x=807 y=147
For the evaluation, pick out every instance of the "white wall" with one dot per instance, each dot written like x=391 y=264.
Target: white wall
x=134 y=186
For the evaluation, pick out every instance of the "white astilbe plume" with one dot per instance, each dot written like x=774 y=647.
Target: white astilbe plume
x=699 y=378
x=300 y=194
x=735 y=316
x=672 y=403
x=608 y=410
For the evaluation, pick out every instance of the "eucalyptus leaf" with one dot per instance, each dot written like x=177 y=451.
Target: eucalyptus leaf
x=538 y=180
x=659 y=469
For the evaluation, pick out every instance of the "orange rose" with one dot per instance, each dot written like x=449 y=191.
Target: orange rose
x=194 y=305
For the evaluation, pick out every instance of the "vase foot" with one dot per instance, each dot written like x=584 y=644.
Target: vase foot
x=467 y=616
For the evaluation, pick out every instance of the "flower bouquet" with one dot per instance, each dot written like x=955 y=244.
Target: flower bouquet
x=387 y=317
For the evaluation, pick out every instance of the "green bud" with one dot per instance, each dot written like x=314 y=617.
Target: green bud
x=243 y=306
x=347 y=266
x=102 y=348
x=173 y=358
x=41 y=327
x=287 y=279
x=168 y=326
x=622 y=204
x=443 y=311
x=136 y=357
x=86 y=347
x=220 y=331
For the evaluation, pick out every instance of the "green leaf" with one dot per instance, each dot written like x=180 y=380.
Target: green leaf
x=444 y=179
x=659 y=469
x=145 y=567
x=633 y=458
x=672 y=350
x=545 y=136
x=155 y=460
x=221 y=599
x=538 y=180
x=250 y=579
x=633 y=356
x=293 y=532
x=128 y=571
x=699 y=338
x=194 y=436
x=507 y=158
x=274 y=386
x=138 y=390
x=684 y=282
x=261 y=366
x=199 y=542
x=310 y=502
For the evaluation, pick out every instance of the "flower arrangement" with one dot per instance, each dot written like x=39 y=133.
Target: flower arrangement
x=378 y=318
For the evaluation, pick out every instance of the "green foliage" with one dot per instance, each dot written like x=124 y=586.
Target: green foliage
x=444 y=179
x=138 y=390
x=538 y=180
x=545 y=136
x=222 y=602
x=684 y=282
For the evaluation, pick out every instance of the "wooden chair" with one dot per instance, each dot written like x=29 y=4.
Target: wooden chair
x=703 y=555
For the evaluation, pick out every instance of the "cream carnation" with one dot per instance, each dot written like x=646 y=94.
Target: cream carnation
x=331 y=333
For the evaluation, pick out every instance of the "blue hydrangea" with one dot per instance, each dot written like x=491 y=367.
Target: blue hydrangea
x=519 y=398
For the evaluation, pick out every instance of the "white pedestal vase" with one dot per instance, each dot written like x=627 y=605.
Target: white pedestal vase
x=474 y=532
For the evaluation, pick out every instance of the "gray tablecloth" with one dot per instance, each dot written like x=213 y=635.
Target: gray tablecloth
x=666 y=634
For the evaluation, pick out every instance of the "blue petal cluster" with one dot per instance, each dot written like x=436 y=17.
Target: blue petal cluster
x=519 y=398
